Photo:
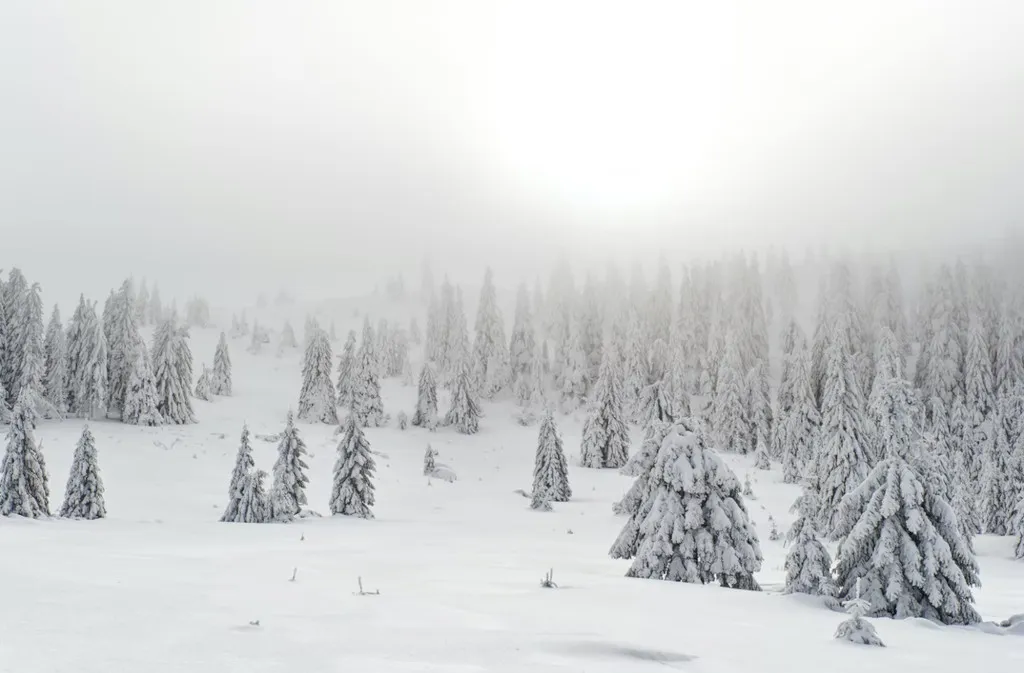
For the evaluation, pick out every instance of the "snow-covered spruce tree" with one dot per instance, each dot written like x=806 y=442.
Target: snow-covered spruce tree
x=464 y=413
x=121 y=344
x=140 y=404
x=979 y=398
x=759 y=405
x=77 y=349
x=573 y=373
x=346 y=370
x=490 y=350
x=256 y=342
x=636 y=368
x=254 y=505
x=605 y=433
x=1009 y=361
x=352 y=493
x=856 y=629
x=91 y=393
x=83 y=496
x=999 y=487
x=15 y=298
x=429 y=463
x=808 y=564
x=894 y=412
x=1018 y=528
x=550 y=469
x=172 y=366
x=156 y=307
x=730 y=416
x=32 y=364
x=287 y=339
x=425 y=415
x=523 y=342
x=698 y=529
x=55 y=378
x=456 y=347
x=289 y=493
x=203 y=385
x=638 y=500
x=244 y=465
x=317 y=401
x=366 y=401
x=141 y=305
x=902 y=538
x=941 y=464
x=220 y=383
x=842 y=457
x=530 y=397
x=793 y=342
x=24 y=486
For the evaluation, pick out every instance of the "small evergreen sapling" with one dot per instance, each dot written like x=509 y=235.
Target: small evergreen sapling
x=203 y=385
x=856 y=629
x=808 y=564
x=352 y=493
x=429 y=457
x=290 y=480
x=550 y=469
x=83 y=496
x=403 y=420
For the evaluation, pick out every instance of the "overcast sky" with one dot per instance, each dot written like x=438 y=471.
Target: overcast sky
x=314 y=137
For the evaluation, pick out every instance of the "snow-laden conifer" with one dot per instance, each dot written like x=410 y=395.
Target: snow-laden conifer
x=429 y=461
x=999 y=487
x=464 y=413
x=856 y=629
x=55 y=378
x=287 y=339
x=605 y=433
x=490 y=349
x=220 y=383
x=254 y=505
x=317 y=401
x=83 y=496
x=523 y=342
x=352 y=493
x=1008 y=371
x=141 y=305
x=574 y=370
x=902 y=538
x=24 y=483
x=730 y=414
x=156 y=307
x=122 y=340
x=77 y=350
x=698 y=529
x=550 y=468
x=638 y=500
x=367 y=406
x=202 y=391
x=759 y=405
x=140 y=405
x=244 y=465
x=425 y=415
x=636 y=370
x=808 y=564
x=979 y=397
x=91 y=392
x=346 y=370
x=172 y=370
x=1017 y=524
x=289 y=493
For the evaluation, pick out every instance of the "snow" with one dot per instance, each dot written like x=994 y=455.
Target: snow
x=162 y=586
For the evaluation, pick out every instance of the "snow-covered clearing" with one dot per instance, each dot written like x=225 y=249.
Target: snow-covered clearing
x=161 y=585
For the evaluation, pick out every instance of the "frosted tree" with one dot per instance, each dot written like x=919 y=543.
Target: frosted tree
x=141 y=305
x=203 y=385
x=91 y=391
x=808 y=564
x=464 y=413
x=429 y=461
x=415 y=334
x=1009 y=360
x=550 y=469
x=55 y=377
x=244 y=466
x=999 y=480
x=352 y=493
x=759 y=405
x=317 y=401
x=605 y=433
x=636 y=368
x=529 y=392
x=254 y=505
x=220 y=383
x=574 y=369
x=1018 y=528
x=842 y=456
x=287 y=339
x=24 y=483
x=122 y=339
x=856 y=629
x=979 y=397
x=256 y=341
x=902 y=538
x=140 y=404
x=346 y=370
x=83 y=496
x=425 y=415
x=490 y=350
x=172 y=366
x=638 y=500
x=793 y=343
x=16 y=322
x=698 y=529
x=78 y=352
x=434 y=337
x=367 y=406
x=943 y=465
x=456 y=343
x=523 y=342
x=289 y=493
x=894 y=412
x=730 y=415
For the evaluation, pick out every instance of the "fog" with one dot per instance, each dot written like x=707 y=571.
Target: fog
x=235 y=146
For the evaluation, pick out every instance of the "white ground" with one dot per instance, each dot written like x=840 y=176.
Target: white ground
x=161 y=586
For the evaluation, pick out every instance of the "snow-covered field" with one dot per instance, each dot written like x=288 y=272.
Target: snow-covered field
x=161 y=585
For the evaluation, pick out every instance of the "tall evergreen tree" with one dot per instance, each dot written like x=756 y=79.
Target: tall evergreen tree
x=490 y=350
x=636 y=369
x=346 y=370
x=289 y=493
x=121 y=344
x=808 y=564
x=801 y=424
x=172 y=365
x=698 y=529
x=78 y=352
x=352 y=493
x=979 y=398
x=141 y=307
x=550 y=469
x=464 y=413
x=759 y=405
x=140 y=405
x=83 y=496
x=317 y=401
x=91 y=394
x=55 y=378
x=220 y=384
x=605 y=433
x=156 y=307
x=244 y=465
x=426 y=399
x=32 y=365
x=18 y=328
x=366 y=401
x=24 y=487
x=999 y=486
x=730 y=416
x=637 y=502
x=523 y=343
x=254 y=505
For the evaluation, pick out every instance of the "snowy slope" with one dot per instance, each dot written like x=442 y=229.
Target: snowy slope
x=162 y=586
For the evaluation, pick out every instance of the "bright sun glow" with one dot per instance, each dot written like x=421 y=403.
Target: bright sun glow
x=610 y=108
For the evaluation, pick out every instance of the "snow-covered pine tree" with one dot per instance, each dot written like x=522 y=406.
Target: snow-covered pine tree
x=842 y=455
x=550 y=468
x=1018 y=528
x=352 y=493
x=156 y=307
x=77 y=348
x=220 y=383
x=464 y=413
x=55 y=378
x=91 y=393
x=203 y=385
x=605 y=433
x=636 y=369
x=698 y=529
x=638 y=500
x=999 y=487
x=24 y=487
x=902 y=538
x=83 y=496
x=793 y=342
x=429 y=463
x=122 y=340
x=289 y=493
x=140 y=404
x=941 y=464
x=172 y=377
x=456 y=346
x=432 y=340
x=254 y=505
x=15 y=300
x=979 y=398
x=425 y=415
x=759 y=405
x=730 y=416
x=574 y=369
x=141 y=305
x=32 y=354
x=856 y=629
x=1009 y=361
x=894 y=412
x=346 y=370
x=490 y=350
x=366 y=401
x=287 y=339
x=523 y=342
x=244 y=465
x=808 y=564
x=317 y=401
x=256 y=342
